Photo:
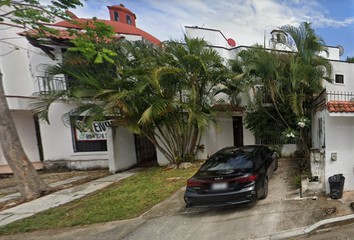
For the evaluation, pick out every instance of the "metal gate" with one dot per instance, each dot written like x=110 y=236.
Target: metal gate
x=145 y=150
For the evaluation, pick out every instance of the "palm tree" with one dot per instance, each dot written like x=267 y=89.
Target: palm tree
x=265 y=68
x=306 y=69
x=164 y=93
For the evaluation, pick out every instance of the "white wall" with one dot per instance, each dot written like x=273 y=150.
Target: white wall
x=347 y=70
x=39 y=62
x=57 y=137
x=121 y=149
x=161 y=159
x=333 y=53
x=217 y=40
x=26 y=129
x=340 y=138
x=130 y=37
x=224 y=131
x=220 y=136
x=318 y=129
x=14 y=62
x=213 y=37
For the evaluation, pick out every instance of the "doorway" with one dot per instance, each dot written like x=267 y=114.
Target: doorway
x=145 y=151
x=238 y=131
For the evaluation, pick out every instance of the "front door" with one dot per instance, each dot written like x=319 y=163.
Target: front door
x=238 y=131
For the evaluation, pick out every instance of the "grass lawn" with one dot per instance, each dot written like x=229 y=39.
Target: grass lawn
x=125 y=199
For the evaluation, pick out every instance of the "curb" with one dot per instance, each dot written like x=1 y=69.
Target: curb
x=323 y=224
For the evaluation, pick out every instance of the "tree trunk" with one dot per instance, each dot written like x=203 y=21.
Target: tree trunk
x=303 y=145
x=27 y=179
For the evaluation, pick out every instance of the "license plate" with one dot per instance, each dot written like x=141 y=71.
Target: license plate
x=219 y=186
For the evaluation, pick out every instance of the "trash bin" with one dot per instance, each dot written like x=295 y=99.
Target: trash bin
x=336 y=184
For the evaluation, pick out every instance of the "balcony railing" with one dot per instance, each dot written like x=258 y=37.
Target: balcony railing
x=340 y=96
x=51 y=84
x=264 y=94
x=321 y=100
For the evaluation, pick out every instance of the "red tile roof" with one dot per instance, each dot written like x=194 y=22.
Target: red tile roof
x=62 y=34
x=340 y=107
x=229 y=106
x=120 y=28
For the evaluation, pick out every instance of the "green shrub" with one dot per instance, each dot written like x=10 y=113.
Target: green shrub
x=297 y=180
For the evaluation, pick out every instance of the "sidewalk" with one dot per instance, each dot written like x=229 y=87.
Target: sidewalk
x=5 y=169
x=58 y=198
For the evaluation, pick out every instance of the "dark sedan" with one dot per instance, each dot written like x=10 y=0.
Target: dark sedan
x=232 y=175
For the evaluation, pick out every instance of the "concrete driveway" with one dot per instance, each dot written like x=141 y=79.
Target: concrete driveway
x=281 y=211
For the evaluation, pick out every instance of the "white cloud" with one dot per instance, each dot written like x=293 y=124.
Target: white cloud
x=246 y=21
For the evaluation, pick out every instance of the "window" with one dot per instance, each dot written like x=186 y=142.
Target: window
x=339 y=78
x=238 y=161
x=129 y=20
x=116 y=16
x=264 y=94
x=90 y=141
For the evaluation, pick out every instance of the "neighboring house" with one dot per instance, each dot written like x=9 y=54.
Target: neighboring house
x=231 y=130
x=333 y=123
x=23 y=61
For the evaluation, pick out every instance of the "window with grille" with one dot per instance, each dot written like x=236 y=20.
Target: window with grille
x=90 y=140
x=264 y=94
x=339 y=78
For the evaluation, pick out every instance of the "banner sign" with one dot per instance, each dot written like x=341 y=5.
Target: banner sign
x=98 y=132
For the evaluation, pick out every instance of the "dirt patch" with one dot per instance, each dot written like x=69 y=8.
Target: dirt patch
x=329 y=211
x=9 y=186
x=281 y=186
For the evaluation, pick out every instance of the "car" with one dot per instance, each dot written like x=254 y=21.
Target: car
x=233 y=175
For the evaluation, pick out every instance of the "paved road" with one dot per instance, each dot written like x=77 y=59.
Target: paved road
x=170 y=220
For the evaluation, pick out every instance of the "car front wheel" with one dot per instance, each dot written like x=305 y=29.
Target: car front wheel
x=265 y=188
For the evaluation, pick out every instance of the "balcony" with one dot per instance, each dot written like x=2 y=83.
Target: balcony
x=264 y=94
x=51 y=84
x=334 y=97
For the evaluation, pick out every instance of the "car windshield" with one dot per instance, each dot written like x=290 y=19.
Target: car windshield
x=237 y=160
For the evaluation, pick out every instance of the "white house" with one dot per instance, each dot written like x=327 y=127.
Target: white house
x=333 y=123
x=332 y=120
x=23 y=62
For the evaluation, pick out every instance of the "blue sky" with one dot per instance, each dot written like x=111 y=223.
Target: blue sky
x=246 y=21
